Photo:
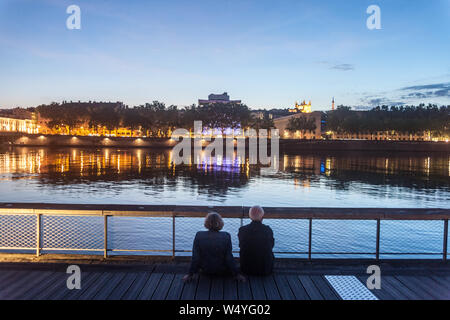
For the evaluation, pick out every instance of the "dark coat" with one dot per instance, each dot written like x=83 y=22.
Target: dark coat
x=212 y=253
x=256 y=242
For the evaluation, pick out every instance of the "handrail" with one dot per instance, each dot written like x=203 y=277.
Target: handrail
x=238 y=212
x=225 y=211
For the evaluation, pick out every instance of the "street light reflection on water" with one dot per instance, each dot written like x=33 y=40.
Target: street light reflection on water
x=148 y=176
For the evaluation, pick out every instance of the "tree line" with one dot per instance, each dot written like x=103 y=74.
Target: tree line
x=404 y=119
x=154 y=118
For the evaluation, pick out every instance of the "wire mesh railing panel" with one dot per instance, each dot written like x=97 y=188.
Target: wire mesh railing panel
x=130 y=235
x=156 y=235
x=448 y=242
x=349 y=238
x=186 y=228
x=411 y=239
x=71 y=232
x=18 y=231
x=291 y=236
x=232 y=227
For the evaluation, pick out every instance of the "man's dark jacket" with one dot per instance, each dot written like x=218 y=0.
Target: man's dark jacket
x=256 y=243
x=212 y=253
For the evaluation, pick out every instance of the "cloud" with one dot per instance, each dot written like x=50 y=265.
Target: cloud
x=379 y=101
x=434 y=90
x=428 y=86
x=343 y=67
x=424 y=93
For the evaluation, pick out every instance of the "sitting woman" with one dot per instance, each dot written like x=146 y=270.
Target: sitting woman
x=211 y=253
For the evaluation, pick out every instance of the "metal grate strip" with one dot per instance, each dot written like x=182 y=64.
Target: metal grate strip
x=350 y=288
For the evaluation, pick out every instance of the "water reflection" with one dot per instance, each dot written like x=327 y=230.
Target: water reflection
x=122 y=171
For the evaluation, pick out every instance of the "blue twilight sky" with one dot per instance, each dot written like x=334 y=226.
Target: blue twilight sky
x=267 y=53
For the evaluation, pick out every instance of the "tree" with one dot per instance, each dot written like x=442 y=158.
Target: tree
x=302 y=124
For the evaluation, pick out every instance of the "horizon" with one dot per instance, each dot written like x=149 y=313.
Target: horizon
x=181 y=107
x=267 y=55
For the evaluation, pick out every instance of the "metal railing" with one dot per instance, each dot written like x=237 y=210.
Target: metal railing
x=27 y=226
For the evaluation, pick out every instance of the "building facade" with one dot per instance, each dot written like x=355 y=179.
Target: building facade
x=282 y=124
x=18 y=125
x=218 y=98
x=303 y=107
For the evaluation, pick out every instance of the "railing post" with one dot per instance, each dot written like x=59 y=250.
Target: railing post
x=105 y=233
x=377 y=254
x=310 y=240
x=445 y=239
x=38 y=235
x=173 y=235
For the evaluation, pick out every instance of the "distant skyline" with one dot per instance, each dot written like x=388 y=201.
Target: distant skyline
x=268 y=54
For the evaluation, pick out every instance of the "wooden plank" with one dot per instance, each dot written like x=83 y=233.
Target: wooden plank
x=87 y=278
x=416 y=289
x=297 y=288
x=110 y=286
x=137 y=286
x=176 y=288
x=123 y=286
x=21 y=282
x=150 y=286
x=35 y=291
x=230 y=289
x=381 y=294
x=325 y=288
x=270 y=288
x=441 y=281
x=283 y=287
x=163 y=287
x=425 y=284
x=438 y=288
x=95 y=287
x=5 y=276
x=392 y=290
x=310 y=288
x=17 y=289
x=189 y=289
x=59 y=285
x=217 y=288
x=257 y=286
x=407 y=293
x=14 y=277
x=203 y=288
x=244 y=290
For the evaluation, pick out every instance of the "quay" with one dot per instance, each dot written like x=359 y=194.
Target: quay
x=37 y=247
x=128 y=279
x=286 y=145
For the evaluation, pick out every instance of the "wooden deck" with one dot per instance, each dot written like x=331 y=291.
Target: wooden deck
x=162 y=281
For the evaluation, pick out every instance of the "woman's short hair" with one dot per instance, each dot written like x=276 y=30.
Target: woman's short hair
x=213 y=221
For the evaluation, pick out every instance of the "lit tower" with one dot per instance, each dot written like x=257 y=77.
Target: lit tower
x=332 y=104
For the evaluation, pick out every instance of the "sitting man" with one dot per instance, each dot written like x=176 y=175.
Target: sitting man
x=256 y=243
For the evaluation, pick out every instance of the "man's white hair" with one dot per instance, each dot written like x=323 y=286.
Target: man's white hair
x=256 y=213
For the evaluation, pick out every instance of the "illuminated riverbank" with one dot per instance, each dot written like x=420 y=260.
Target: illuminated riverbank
x=286 y=145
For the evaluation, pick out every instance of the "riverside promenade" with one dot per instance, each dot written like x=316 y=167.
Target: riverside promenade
x=39 y=241
x=24 y=277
